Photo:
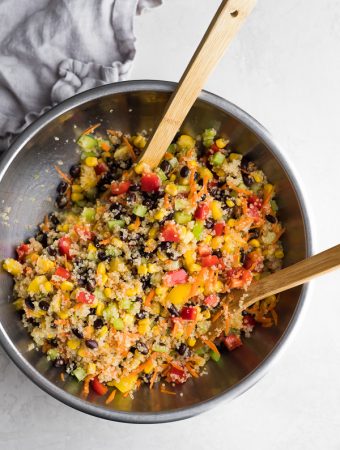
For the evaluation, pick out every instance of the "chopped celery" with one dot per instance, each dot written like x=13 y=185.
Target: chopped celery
x=217 y=159
x=110 y=312
x=110 y=251
x=183 y=189
x=89 y=214
x=118 y=324
x=198 y=229
x=159 y=348
x=173 y=161
x=161 y=174
x=140 y=210
x=79 y=373
x=52 y=354
x=182 y=218
x=125 y=303
x=208 y=137
x=181 y=203
x=274 y=206
x=85 y=155
x=87 y=142
x=112 y=224
x=215 y=356
x=99 y=294
x=200 y=351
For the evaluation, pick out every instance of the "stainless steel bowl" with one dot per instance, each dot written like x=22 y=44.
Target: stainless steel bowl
x=27 y=185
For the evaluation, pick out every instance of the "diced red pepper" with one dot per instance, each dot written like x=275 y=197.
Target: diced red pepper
x=150 y=182
x=204 y=250
x=64 y=246
x=214 y=148
x=219 y=228
x=248 y=322
x=85 y=297
x=254 y=206
x=202 y=211
x=212 y=300
x=232 y=341
x=208 y=261
x=98 y=387
x=83 y=232
x=239 y=277
x=120 y=188
x=177 y=376
x=62 y=273
x=253 y=261
x=189 y=313
x=170 y=233
x=175 y=277
x=101 y=168
x=22 y=251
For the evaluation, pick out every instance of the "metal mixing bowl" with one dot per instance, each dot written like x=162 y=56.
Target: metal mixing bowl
x=27 y=186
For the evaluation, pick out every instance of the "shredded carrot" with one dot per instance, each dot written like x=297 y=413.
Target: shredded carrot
x=62 y=376
x=175 y=328
x=153 y=378
x=166 y=201
x=86 y=386
x=126 y=394
x=111 y=397
x=165 y=391
x=105 y=242
x=130 y=148
x=217 y=315
x=91 y=129
x=278 y=235
x=105 y=146
x=189 y=328
x=192 y=185
x=149 y=297
x=175 y=365
x=191 y=370
x=141 y=367
x=62 y=174
x=239 y=190
x=211 y=345
x=168 y=155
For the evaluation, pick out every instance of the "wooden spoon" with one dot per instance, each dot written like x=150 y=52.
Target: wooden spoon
x=282 y=280
x=224 y=26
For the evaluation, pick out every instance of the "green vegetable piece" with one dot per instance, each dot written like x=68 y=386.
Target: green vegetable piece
x=110 y=312
x=89 y=214
x=52 y=354
x=208 y=137
x=87 y=142
x=112 y=224
x=110 y=251
x=198 y=229
x=217 y=159
x=79 y=373
x=181 y=203
x=274 y=206
x=118 y=324
x=183 y=189
x=215 y=356
x=91 y=193
x=182 y=218
x=125 y=303
x=140 y=210
x=173 y=161
x=159 y=348
x=161 y=174
x=85 y=155
x=200 y=351
x=172 y=148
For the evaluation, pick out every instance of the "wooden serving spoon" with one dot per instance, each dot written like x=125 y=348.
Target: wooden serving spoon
x=282 y=280
x=223 y=27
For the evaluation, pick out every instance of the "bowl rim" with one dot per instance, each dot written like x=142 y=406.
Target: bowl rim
x=254 y=376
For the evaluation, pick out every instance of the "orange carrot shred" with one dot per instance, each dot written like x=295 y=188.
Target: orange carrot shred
x=240 y=190
x=165 y=391
x=149 y=297
x=111 y=397
x=105 y=146
x=62 y=376
x=91 y=129
x=217 y=315
x=191 y=370
x=130 y=148
x=62 y=174
x=211 y=345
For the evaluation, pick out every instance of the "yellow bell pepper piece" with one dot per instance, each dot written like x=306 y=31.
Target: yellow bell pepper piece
x=216 y=210
x=179 y=294
x=126 y=384
x=12 y=266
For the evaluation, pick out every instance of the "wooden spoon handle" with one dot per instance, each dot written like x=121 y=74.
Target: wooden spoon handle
x=224 y=26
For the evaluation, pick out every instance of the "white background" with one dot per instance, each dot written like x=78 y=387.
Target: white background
x=284 y=69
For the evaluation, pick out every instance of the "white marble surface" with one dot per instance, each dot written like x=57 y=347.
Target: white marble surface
x=284 y=69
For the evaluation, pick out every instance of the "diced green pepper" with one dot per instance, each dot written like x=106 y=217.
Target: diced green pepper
x=79 y=373
x=173 y=161
x=181 y=203
x=140 y=210
x=161 y=174
x=198 y=229
x=208 y=137
x=274 y=206
x=111 y=311
x=200 y=351
x=52 y=354
x=215 y=356
x=118 y=324
x=183 y=189
x=87 y=142
x=217 y=159
x=182 y=217
x=112 y=224
x=89 y=214
x=159 y=348
x=125 y=303
x=85 y=155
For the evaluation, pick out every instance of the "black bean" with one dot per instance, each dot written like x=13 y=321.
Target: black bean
x=59 y=362
x=173 y=311
x=184 y=172
x=254 y=233
x=98 y=323
x=62 y=187
x=139 y=299
x=165 y=166
x=270 y=218
x=242 y=256
x=218 y=253
x=91 y=343
x=209 y=223
x=142 y=348
x=77 y=333
x=29 y=303
x=196 y=176
x=141 y=315
x=44 y=305
x=244 y=163
x=82 y=282
x=102 y=256
x=247 y=179
x=131 y=197
x=92 y=311
x=182 y=349
x=52 y=251
x=61 y=201
x=204 y=196
x=54 y=219
x=96 y=242
x=134 y=187
x=116 y=209
x=175 y=139
x=42 y=238
x=164 y=245
x=220 y=184
x=146 y=281
x=75 y=171
x=91 y=285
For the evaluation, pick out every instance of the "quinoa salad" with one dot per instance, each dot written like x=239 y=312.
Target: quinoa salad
x=123 y=281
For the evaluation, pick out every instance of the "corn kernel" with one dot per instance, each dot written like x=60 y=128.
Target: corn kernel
x=144 y=326
x=154 y=230
x=131 y=292
x=279 y=254
x=206 y=314
x=221 y=143
x=91 y=161
x=66 y=286
x=219 y=286
x=231 y=223
x=151 y=244
x=161 y=290
x=189 y=258
x=159 y=215
x=141 y=167
x=172 y=177
x=156 y=330
x=108 y=292
x=194 y=268
x=254 y=243
x=155 y=308
x=12 y=266
x=234 y=156
x=101 y=269
x=77 y=188
x=142 y=269
x=91 y=248
x=153 y=268
x=216 y=242
x=216 y=210
x=230 y=203
x=76 y=196
x=207 y=239
x=238 y=202
x=185 y=141
x=171 y=189
x=103 y=331
x=191 y=341
x=100 y=308
x=63 y=314
x=63 y=227
x=257 y=177
x=82 y=352
x=73 y=344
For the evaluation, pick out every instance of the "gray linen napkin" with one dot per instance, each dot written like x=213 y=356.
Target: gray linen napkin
x=53 y=49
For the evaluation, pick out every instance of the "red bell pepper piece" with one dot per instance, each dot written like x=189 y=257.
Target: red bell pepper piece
x=170 y=233
x=22 y=251
x=85 y=297
x=208 y=261
x=62 y=273
x=189 y=313
x=202 y=211
x=150 y=182
x=248 y=322
x=239 y=277
x=83 y=232
x=120 y=188
x=219 y=228
x=253 y=261
x=204 y=250
x=254 y=206
x=175 y=277
x=212 y=300
x=64 y=246
x=177 y=375
x=98 y=387
x=214 y=148
x=232 y=341
x=101 y=168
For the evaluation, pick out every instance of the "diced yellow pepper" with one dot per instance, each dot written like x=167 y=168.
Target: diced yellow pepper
x=126 y=384
x=205 y=173
x=141 y=167
x=77 y=188
x=191 y=341
x=63 y=227
x=216 y=210
x=91 y=248
x=82 y=352
x=171 y=189
x=254 y=243
x=155 y=308
x=76 y=196
x=206 y=314
x=91 y=368
x=13 y=266
x=91 y=161
x=144 y=326
x=73 y=344
x=108 y=292
x=153 y=268
x=221 y=143
x=100 y=308
x=149 y=367
x=234 y=156
x=66 y=286
x=139 y=141
x=268 y=189
x=185 y=141
x=194 y=268
x=103 y=331
x=142 y=269
x=189 y=258
x=216 y=242
x=279 y=254
x=47 y=287
x=101 y=269
x=154 y=230
x=258 y=176
x=230 y=203
x=179 y=294
x=63 y=314
x=231 y=223
x=35 y=285
x=44 y=264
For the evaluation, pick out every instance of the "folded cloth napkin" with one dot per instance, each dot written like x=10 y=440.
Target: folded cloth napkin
x=51 y=50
